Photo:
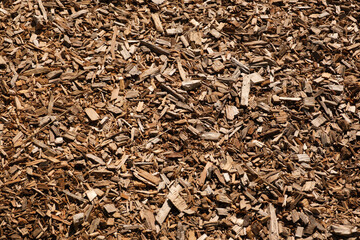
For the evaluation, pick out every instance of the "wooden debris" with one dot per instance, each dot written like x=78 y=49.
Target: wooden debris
x=231 y=112
x=178 y=202
x=165 y=209
x=309 y=102
x=345 y=230
x=218 y=66
x=155 y=48
x=179 y=119
x=273 y=225
x=245 y=90
x=95 y=159
x=2 y=62
x=317 y=122
x=212 y=136
x=74 y=196
x=149 y=177
x=157 y=22
x=78 y=219
x=91 y=194
x=190 y=85
x=110 y=208
x=256 y=78
x=92 y=114
x=291 y=99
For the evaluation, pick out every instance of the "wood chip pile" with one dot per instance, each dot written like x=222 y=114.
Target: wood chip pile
x=191 y=119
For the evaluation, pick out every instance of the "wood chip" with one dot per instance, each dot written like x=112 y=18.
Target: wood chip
x=245 y=90
x=317 y=122
x=110 y=208
x=157 y=22
x=92 y=114
x=179 y=119
x=95 y=159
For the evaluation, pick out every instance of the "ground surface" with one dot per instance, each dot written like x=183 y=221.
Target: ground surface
x=179 y=119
